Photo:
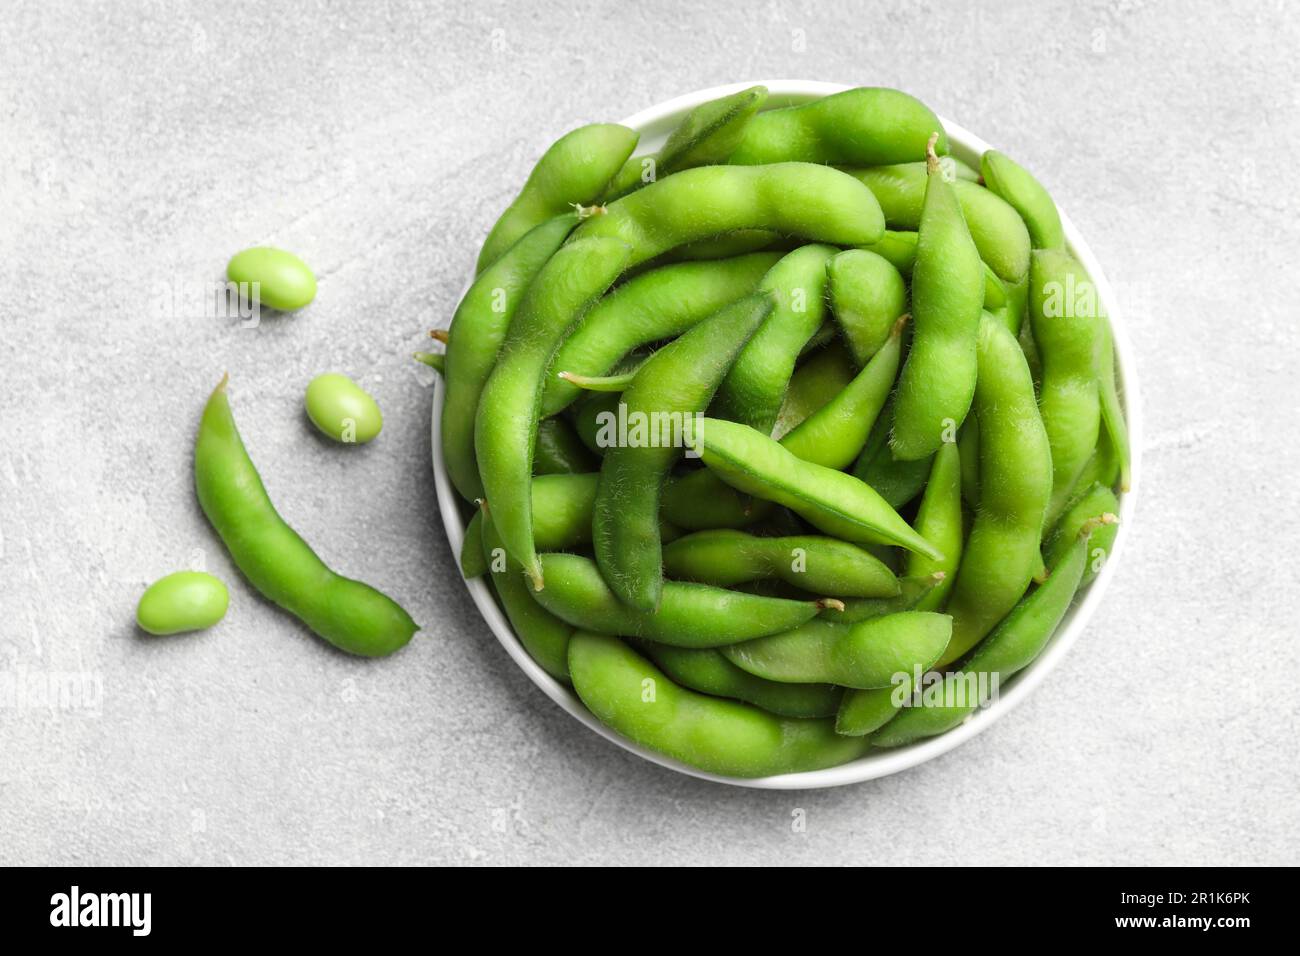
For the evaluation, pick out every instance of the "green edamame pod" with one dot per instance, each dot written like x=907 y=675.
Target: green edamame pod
x=477 y=331
x=817 y=203
x=544 y=636
x=352 y=616
x=587 y=416
x=1095 y=502
x=911 y=591
x=675 y=384
x=473 y=562
x=1013 y=310
x=183 y=601
x=835 y=434
x=818 y=379
x=995 y=227
x=868 y=126
x=559 y=451
x=726 y=246
x=836 y=503
x=810 y=562
x=574 y=171
x=756 y=384
x=1015 y=478
x=968 y=446
x=689 y=615
x=629 y=694
x=1017 y=641
x=898 y=482
x=898 y=248
x=658 y=304
x=938 y=378
x=1067 y=330
x=865 y=711
x=865 y=655
x=505 y=426
x=1112 y=412
x=939 y=521
x=867 y=296
x=1006 y=178
x=708 y=671
x=707 y=135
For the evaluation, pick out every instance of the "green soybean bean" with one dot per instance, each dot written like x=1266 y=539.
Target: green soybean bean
x=817 y=203
x=658 y=304
x=628 y=693
x=506 y=423
x=274 y=277
x=689 y=615
x=1112 y=412
x=707 y=135
x=1096 y=502
x=911 y=591
x=898 y=482
x=865 y=655
x=708 y=671
x=756 y=384
x=868 y=126
x=939 y=521
x=559 y=450
x=544 y=636
x=352 y=616
x=677 y=383
x=835 y=434
x=574 y=171
x=836 y=503
x=867 y=296
x=995 y=227
x=813 y=563
x=1015 y=479
x=1006 y=178
x=342 y=410
x=477 y=331
x=182 y=601
x=1067 y=331
x=898 y=248
x=1018 y=640
x=938 y=378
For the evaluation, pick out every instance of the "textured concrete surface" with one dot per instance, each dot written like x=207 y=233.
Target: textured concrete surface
x=142 y=143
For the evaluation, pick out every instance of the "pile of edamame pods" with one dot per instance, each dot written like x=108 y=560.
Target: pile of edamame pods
x=776 y=438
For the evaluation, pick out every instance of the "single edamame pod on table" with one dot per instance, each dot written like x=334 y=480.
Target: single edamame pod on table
x=1064 y=312
x=755 y=385
x=1006 y=178
x=342 y=410
x=689 y=615
x=868 y=126
x=505 y=426
x=866 y=655
x=1015 y=479
x=273 y=277
x=814 y=202
x=477 y=331
x=837 y=503
x=628 y=693
x=708 y=671
x=675 y=384
x=351 y=615
x=995 y=227
x=938 y=378
x=812 y=563
x=708 y=134
x=1016 y=642
x=658 y=304
x=182 y=601
x=574 y=171
x=867 y=296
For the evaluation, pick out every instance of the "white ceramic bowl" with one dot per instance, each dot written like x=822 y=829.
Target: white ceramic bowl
x=654 y=125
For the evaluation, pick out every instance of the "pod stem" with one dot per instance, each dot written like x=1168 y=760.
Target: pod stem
x=440 y=335
x=931 y=157
x=900 y=323
x=833 y=604
x=435 y=360
x=586 y=212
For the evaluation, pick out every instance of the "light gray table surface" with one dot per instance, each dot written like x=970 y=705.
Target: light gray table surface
x=142 y=143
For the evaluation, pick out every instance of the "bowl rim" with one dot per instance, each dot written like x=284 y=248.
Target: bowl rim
x=659 y=119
